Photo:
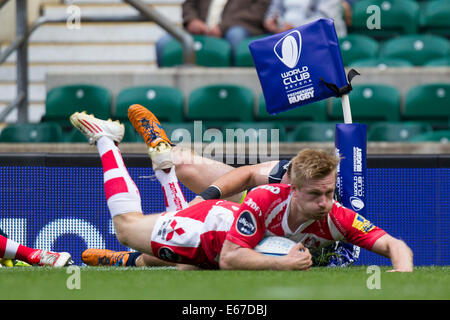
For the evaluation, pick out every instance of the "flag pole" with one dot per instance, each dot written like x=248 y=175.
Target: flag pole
x=346 y=109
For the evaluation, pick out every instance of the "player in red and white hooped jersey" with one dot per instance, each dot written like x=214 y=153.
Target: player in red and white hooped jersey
x=194 y=235
x=265 y=212
x=222 y=234
x=183 y=235
x=210 y=179
x=305 y=212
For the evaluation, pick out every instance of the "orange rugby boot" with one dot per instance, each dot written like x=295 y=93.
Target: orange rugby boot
x=147 y=125
x=150 y=129
x=103 y=257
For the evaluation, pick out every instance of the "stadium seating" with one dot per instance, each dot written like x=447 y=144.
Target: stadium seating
x=74 y=136
x=396 y=131
x=130 y=135
x=440 y=62
x=397 y=17
x=313 y=132
x=381 y=63
x=355 y=47
x=32 y=133
x=370 y=103
x=62 y=101
x=167 y=103
x=435 y=18
x=429 y=102
x=178 y=132
x=442 y=136
x=417 y=48
x=218 y=104
x=312 y=112
x=255 y=131
x=210 y=52
x=187 y=132
x=243 y=56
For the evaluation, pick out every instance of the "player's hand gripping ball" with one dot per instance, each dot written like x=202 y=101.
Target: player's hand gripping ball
x=275 y=246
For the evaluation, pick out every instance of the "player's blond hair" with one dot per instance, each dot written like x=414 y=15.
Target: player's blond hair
x=311 y=164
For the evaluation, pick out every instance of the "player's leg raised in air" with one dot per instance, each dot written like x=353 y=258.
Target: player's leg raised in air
x=133 y=228
x=194 y=171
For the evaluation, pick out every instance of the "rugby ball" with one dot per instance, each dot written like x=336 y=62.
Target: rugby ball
x=274 y=246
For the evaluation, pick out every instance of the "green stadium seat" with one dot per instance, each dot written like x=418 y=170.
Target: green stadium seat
x=435 y=18
x=32 y=133
x=428 y=102
x=177 y=133
x=381 y=63
x=62 y=101
x=210 y=52
x=243 y=56
x=417 y=48
x=440 y=62
x=74 y=136
x=397 y=17
x=184 y=132
x=313 y=132
x=255 y=131
x=396 y=131
x=442 y=136
x=218 y=104
x=316 y=111
x=355 y=47
x=370 y=103
x=130 y=135
x=167 y=103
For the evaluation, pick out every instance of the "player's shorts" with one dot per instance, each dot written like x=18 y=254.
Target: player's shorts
x=194 y=235
x=278 y=171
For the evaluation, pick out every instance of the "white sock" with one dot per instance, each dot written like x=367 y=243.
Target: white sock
x=122 y=195
x=173 y=195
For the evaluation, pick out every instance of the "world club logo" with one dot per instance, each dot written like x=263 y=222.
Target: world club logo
x=288 y=48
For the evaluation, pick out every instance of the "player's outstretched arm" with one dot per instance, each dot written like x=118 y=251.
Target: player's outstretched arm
x=235 y=257
x=243 y=178
x=398 y=251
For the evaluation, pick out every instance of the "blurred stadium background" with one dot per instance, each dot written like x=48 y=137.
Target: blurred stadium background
x=108 y=63
x=403 y=93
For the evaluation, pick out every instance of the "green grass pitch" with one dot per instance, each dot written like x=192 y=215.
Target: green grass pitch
x=170 y=284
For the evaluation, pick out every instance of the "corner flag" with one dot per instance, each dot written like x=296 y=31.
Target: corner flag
x=300 y=66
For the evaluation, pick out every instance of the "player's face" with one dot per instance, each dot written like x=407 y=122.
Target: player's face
x=315 y=199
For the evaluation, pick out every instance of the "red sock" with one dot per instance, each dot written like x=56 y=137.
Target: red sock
x=122 y=195
x=28 y=255
x=10 y=249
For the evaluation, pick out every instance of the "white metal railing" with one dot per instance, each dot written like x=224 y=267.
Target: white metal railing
x=23 y=33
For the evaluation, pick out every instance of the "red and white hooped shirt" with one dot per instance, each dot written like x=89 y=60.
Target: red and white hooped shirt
x=195 y=235
x=265 y=212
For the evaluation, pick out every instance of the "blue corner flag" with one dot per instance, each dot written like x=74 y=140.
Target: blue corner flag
x=300 y=66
